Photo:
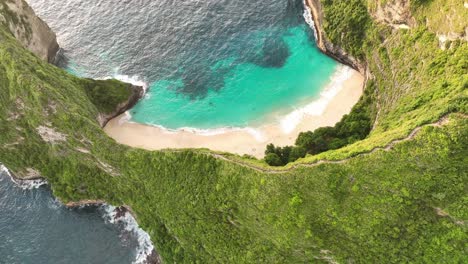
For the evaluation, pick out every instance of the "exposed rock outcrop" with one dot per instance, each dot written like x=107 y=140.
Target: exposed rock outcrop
x=137 y=94
x=326 y=46
x=33 y=33
x=396 y=13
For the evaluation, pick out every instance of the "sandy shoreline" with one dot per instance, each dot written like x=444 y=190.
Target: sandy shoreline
x=334 y=103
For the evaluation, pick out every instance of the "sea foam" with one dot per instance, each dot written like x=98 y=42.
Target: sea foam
x=309 y=19
x=129 y=224
x=145 y=246
x=317 y=107
x=134 y=79
x=287 y=123
x=256 y=133
x=23 y=184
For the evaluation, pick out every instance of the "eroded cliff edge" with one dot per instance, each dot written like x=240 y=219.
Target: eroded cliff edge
x=198 y=207
x=31 y=31
x=110 y=97
x=326 y=46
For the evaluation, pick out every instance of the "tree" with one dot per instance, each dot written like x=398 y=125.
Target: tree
x=297 y=153
x=273 y=159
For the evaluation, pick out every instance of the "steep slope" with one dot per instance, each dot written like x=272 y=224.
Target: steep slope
x=411 y=79
x=33 y=33
x=407 y=204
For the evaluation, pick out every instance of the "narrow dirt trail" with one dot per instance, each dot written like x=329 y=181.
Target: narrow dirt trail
x=443 y=121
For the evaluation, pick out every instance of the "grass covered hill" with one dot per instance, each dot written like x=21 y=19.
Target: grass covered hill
x=418 y=71
x=406 y=202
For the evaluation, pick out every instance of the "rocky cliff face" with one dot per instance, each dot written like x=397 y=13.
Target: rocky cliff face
x=33 y=33
x=137 y=93
x=395 y=13
x=36 y=36
x=326 y=46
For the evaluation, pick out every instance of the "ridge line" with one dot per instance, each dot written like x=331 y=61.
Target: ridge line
x=441 y=122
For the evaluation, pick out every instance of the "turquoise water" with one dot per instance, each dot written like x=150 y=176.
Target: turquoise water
x=250 y=92
x=209 y=64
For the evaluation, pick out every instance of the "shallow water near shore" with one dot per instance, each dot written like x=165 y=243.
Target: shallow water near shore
x=209 y=64
x=249 y=93
x=36 y=228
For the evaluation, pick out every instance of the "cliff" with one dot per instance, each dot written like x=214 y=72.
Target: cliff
x=33 y=33
x=396 y=196
x=325 y=45
x=136 y=94
x=111 y=97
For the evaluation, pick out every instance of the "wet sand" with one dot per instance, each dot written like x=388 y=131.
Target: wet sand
x=335 y=101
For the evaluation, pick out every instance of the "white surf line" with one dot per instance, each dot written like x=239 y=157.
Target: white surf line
x=309 y=19
x=287 y=123
x=256 y=133
x=23 y=184
x=145 y=246
x=317 y=107
x=135 y=80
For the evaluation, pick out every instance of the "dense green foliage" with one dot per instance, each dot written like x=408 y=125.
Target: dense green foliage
x=404 y=205
x=107 y=94
x=413 y=81
x=351 y=128
x=346 y=24
x=277 y=156
x=374 y=208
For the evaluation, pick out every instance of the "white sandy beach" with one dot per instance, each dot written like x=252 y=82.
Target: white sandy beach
x=335 y=101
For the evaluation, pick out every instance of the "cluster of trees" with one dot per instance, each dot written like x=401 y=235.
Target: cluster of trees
x=198 y=209
x=280 y=156
x=353 y=127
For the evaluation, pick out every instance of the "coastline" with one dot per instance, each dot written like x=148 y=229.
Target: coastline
x=314 y=8
x=336 y=100
x=122 y=216
x=24 y=183
x=341 y=104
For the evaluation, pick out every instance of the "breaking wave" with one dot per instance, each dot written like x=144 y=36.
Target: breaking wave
x=122 y=217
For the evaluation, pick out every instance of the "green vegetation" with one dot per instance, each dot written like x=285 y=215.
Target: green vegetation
x=408 y=204
x=277 y=156
x=436 y=12
x=352 y=128
x=346 y=24
x=413 y=82
x=106 y=95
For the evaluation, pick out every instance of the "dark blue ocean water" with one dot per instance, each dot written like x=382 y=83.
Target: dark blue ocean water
x=209 y=64
x=36 y=228
x=202 y=59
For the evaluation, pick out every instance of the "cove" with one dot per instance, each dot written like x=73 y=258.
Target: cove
x=209 y=64
x=247 y=92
